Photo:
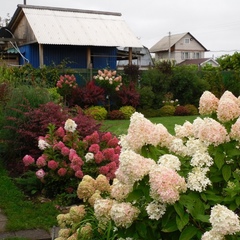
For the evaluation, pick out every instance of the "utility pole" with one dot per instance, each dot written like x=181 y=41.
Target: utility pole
x=169 y=46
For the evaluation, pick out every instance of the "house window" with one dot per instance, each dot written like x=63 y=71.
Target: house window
x=187 y=40
x=196 y=55
x=185 y=55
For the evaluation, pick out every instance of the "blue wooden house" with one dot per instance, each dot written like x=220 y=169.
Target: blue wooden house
x=83 y=38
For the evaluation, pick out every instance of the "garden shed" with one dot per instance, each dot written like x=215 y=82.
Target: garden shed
x=83 y=38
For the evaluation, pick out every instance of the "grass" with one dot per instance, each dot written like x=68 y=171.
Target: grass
x=24 y=214
x=119 y=127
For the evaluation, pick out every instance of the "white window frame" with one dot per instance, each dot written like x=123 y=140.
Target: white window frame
x=196 y=55
x=186 y=40
x=185 y=55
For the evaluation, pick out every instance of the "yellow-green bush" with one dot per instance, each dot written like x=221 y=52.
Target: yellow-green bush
x=127 y=111
x=192 y=109
x=97 y=112
x=167 y=110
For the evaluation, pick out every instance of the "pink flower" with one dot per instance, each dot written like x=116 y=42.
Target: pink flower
x=113 y=142
x=166 y=184
x=94 y=148
x=72 y=152
x=60 y=132
x=117 y=149
x=104 y=170
x=28 y=160
x=40 y=174
x=59 y=145
x=93 y=138
x=79 y=174
x=75 y=167
x=99 y=157
x=77 y=160
x=235 y=130
x=108 y=153
x=208 y=103
x=106 y=137
x=62 y=172
x=53 y=164
x=41 y=161
x=65 y=151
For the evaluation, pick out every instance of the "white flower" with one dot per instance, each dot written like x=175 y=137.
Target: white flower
x=223 y=220
x=200 y=159
x=42 y=144
x=212 y=235
x=89 y=157
x=197 y=179
x=156 y=210
x=170 y=161
x=70 y=125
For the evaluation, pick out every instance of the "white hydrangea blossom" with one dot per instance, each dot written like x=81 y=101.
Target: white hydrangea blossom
x=212 y=235
x=197 y=179
x=156 y=210
x=89 y=157
x=201 y=159
x=42 y=144
x=70 y=125
x=170 y=161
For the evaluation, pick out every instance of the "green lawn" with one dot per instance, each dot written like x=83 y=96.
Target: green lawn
x=119 y=127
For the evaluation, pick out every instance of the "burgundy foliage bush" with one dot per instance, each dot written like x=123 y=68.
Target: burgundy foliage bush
x=129 y=95
x=86 y=96
x=181 y=111
x=115 y=115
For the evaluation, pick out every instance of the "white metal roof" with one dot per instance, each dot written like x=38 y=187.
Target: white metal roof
x=66 y=27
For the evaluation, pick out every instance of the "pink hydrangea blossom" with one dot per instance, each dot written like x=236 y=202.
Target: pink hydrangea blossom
x=79 y=174
x=41 y=161
x=113 y=142
x=28 y=160
x=235 y=130
x=117 y=149
x=166 y=184
x=65 y=151
x=208 y=103
x=106 y=137
x=93 y=138
x=77 y=160
x=228 y=109
x=53 y=164
x=62 y=172
x=59 y=145
x=98 y=157
x=94 y=148
x=72 y=153
x=108 y=153
x=40 y=174
x=210 y=131
x=60 y=132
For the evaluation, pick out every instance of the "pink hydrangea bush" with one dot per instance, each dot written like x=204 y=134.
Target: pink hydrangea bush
x=66 y=158
x=173 y=187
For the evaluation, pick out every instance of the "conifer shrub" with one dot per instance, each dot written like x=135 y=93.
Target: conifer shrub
x=127 y=111
x=167 y=110
x=97 y=112
x=146 y=97
x=181 y=111
x=149 y=113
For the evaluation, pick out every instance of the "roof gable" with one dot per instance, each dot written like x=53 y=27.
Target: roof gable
x=199 y=61
x=163 y=44
x=76 y=27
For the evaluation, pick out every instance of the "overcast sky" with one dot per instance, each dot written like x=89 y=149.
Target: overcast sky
x=214 y=23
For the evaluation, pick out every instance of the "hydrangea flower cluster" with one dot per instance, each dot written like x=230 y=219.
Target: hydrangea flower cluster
x=170 y=183
x=65 y=155
x=108 y=80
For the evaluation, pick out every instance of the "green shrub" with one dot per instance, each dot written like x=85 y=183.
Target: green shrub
x=55 y=96
x=192 y=109
x=146 y=97
x=181 y=111
x=167 y=110
x=127 y=111
x=149 y=113
x=97 y=112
